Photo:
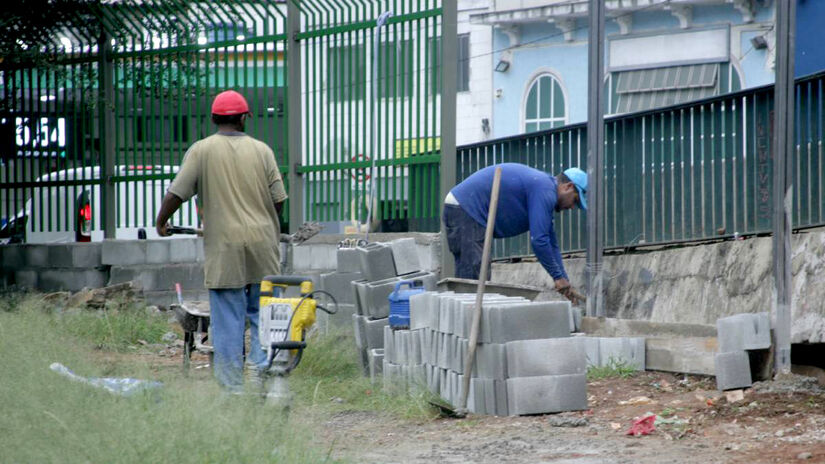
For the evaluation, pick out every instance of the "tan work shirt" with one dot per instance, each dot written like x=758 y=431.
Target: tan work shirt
x=238 y=183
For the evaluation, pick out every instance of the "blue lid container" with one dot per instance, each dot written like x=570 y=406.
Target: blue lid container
x=400 y=302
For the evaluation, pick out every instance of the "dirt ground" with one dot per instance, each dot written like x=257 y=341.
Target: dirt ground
x=701 y=426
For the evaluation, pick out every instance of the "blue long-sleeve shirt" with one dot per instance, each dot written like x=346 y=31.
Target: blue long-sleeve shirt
x=527 y=201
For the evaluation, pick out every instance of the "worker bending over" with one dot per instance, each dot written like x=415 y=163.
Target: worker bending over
x=528 y=198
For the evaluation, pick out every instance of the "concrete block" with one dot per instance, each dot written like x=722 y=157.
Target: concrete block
x=500 y=398
x=158 y=251
x=460 y=349
x=575 y=318
x=363 y=361
x=37 y=256
x=72 y=280
x=376 y=262
x=525 y=321
x=392 y=376
x=401 y=346
x=375 y=297
x=751 y=331
x=389 y=344
x=418 y=377
x=340 y=285
x=374 y=332
x=358 y=295
x=405 y=256
x=123 y=252
x=156 y=277
x=27 y=279
x=75 y=255
x=184 y=250
x=414 y=349
x=627 y=350
x=12 y=257
x=442 y=354
x=491 y=361
x=376 y=363
x=348 y=260
x=549 y=356
x=733 y=370
x=546 y=394
x=422 y=311
x=689 y=355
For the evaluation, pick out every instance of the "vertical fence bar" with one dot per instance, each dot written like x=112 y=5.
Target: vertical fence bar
x=106 y=132
x=783 y=143
x=449 y=68
x=295 y=119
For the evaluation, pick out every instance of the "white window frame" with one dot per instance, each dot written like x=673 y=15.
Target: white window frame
x=533 y=80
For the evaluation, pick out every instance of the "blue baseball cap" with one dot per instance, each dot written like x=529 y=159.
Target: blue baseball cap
x=579 y=179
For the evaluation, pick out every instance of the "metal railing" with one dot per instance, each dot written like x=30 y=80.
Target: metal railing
x=690 y=172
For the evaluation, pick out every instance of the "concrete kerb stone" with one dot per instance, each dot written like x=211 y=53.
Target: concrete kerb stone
x=389 y=344
x=751 y=331
x=359 y=295
x=532 y=358
x=405 y=256
x=546 y=394
x=627 y=350
x=374 y=332
x=358 y=331
x=733 y=370
x=376 y=262
x=375 y=359
x=592 y=351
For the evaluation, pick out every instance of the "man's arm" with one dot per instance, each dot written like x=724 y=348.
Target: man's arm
x=543 y=239
x=168 y=206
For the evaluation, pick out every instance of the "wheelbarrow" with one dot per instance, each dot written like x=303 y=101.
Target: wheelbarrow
x=193 y=317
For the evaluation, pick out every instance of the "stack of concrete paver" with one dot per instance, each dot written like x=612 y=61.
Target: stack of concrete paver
x=526 y=362
x=737 y=335
x=339 y=284
x=382 y=266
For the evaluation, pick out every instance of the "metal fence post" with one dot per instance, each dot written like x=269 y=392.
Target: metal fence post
x=783 y=162
x=294 y=124
x=106 y=133
x=595 y=161
x=449 y=69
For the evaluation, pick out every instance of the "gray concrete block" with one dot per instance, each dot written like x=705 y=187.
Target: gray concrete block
x=546 y=394
x=627 y=350
x=389 y=344
x=418 y=377
x=72 y=280
x=442 y=354
x=525 y=321
x=576 y=314
x=348 y=260
x=491 y=361
x=733 y=370
x=12 y=257
x=549 y=356
x=750 y=331
x=37 y=256
x=27 y=279
x=358 y=295
x=376 y=262
x=158 y=251
x=363 y=361
x=375 y=297
x=401 y=346
x=414 y=353
x=343 y=317
x=460 y=348
x=376 y=363
x=405 y=256
x=75 y=255
x=374 y=332
x=123 y=252
x=184 y=250
x=340 y=285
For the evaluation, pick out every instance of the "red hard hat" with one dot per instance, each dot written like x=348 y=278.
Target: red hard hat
x=229 y=103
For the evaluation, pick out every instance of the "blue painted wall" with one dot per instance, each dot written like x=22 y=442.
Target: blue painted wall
x=810 y=35
x=544 y=49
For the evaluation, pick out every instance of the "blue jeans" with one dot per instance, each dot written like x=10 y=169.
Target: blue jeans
x=229 y=310
x=465 y=239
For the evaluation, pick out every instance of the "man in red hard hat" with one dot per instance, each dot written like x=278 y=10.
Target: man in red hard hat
x=238 y=183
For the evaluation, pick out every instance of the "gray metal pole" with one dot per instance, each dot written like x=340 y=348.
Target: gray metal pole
x=595 y=161
x=106 y=131
x=449 y=70
x=376 y=36
x=295 y=117
x=783 y=143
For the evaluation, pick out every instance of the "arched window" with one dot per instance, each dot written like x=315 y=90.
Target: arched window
x=544 y=107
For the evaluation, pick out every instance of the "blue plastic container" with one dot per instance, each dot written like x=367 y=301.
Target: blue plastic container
x=400 y=303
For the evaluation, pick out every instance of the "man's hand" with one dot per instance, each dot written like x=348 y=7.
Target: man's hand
x=161 y=229
x=563 y=287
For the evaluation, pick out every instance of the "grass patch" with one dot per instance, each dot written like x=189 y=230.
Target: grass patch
x=45 y=417
x=613 y=369
x=329 y=380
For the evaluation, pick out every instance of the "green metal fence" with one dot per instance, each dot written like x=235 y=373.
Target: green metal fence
x=690 y=172
x=371 y=96
x=116 y=98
